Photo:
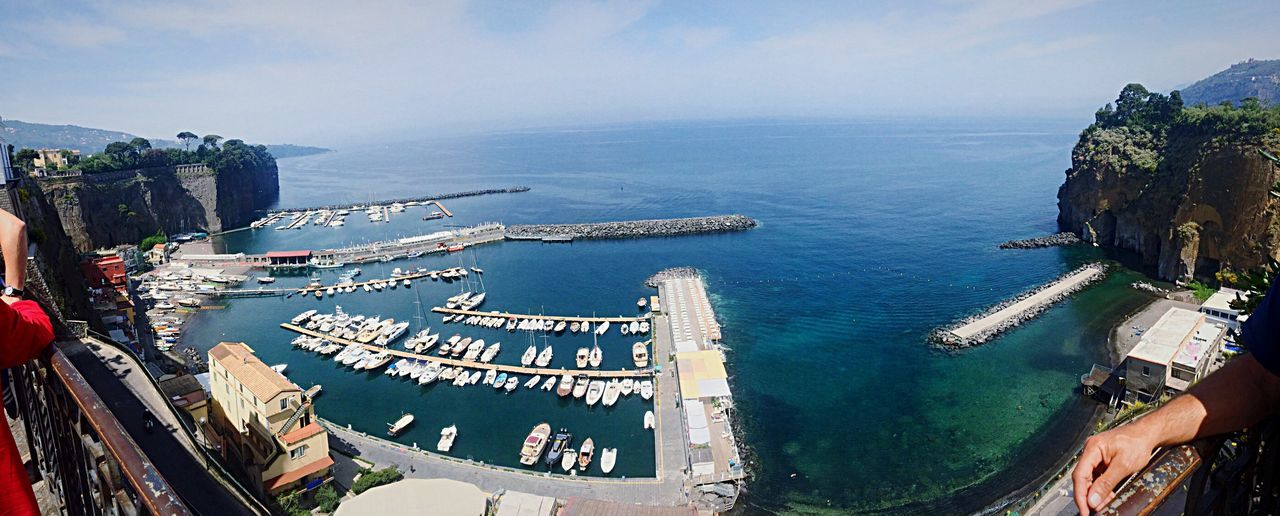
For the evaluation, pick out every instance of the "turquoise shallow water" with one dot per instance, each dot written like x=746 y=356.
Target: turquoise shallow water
x=872 y=234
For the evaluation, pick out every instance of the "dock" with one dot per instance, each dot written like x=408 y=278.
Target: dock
x=557 y=318
x=502 y=368
x=1001 y=317
x=443 y=210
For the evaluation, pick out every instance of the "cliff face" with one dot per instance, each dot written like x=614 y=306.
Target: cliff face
x=104 y=210
x=1188 y=206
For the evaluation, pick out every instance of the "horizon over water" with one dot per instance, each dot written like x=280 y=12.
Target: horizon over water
x=872 y=234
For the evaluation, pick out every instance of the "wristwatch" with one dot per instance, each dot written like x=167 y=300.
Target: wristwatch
x=9 y=291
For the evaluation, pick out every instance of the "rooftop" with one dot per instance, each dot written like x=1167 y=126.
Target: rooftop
x=1161 y=342
x=441 y=495
x=239 y=360
x=1221 y=300
x=288 y=254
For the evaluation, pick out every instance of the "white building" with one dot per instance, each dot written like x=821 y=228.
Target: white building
x=1218 y=308
x=1176 y=351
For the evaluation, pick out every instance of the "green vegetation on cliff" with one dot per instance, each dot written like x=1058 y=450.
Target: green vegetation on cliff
x=138 y=153
x=89 y=140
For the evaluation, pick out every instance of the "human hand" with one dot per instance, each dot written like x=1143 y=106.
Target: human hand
x=1108 y=458
x=8 y=300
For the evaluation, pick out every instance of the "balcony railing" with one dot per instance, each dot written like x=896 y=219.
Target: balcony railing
x=85 y=456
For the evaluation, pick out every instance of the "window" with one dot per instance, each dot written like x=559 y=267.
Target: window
x=1146 y=371
x=284 y=403
x=298 y=453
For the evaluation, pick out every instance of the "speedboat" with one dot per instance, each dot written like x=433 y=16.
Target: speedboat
x=627 y=386
x=266 y=279
x=569 y=459
x=302 y=317
x=566 y=386
x=608 y=457
x=474 y=350
x=648 y=419
x=528 y=356
x=596 y=356
x=512 y=382
x=400 y=424
x=640 y=354
x=594 y=392
x=562 y=440
x=611 y=391
x=534 y=444
x=584 y=454
x=447 y=435
x=429 y=373
x=501 y=381
x=581 y=359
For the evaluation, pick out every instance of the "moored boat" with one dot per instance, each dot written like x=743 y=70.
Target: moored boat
x=584 y=454
x=648 y=419
x=550 y=384
x=562 y=440
x=566 y=386
x=602 y=328
x=608 y=457
x=512 y=382
x=568 y=459
x=529 y=355
x=447 y=435
x=627 y=386
x=596 y=356
x=400 y=424
x=580 y=386
x=640 y=354
x=594 y=391
x=500 y=381
x=533 y=382
x=581 y=358
x=611 y=391
x=544 y=357
x=534 y=443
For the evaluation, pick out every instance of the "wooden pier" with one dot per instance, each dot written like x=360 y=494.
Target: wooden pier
x=443 y=210
x=565 y=318
x=529 y=371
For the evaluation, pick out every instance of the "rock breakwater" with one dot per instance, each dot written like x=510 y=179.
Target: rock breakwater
x=632 y=228
x=1056 y=239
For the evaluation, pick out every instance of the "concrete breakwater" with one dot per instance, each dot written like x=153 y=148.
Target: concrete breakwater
x=984 y=326
x=419 y=199
x=1056 y=239
x=632 y=228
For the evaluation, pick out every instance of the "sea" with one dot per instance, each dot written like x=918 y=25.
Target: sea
x=872 y=233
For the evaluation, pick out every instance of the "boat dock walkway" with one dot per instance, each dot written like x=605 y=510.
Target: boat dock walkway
x=529 y=371
x=565 y=318
x=987 y=325
x=443 y=210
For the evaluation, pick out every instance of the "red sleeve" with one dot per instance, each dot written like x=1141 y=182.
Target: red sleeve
x=24 y=332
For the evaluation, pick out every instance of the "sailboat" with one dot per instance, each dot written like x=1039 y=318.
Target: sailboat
x=544 y=357
x=529 y=355
x=596 y=356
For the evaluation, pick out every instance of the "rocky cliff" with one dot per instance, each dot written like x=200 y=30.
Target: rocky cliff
x=1188 y=191
x=108 y=209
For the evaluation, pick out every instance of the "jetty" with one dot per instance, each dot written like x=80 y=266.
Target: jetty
x=422 y=199
x=557 y=318
x=630 y=228
x=982 y=327
x=503 y=368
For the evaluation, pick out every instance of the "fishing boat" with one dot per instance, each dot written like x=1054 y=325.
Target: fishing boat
x=611 y=391
x=566 y=386
x=584 y=454
x=491 y=352
x=491 y=375
x=559 y=327
x=569 y=459
x=447 y=435
x=641 y=302
x=581 y=359
x=608 y=457
x=533 y=382
x=648 y=419
x=394 y=429
x=534 y=444
x=640 y=354
x=594 y=391
x=562 y=440
x=266 y=279
x=627 y=386
x=529 y=355
x=500 y=382
x=596 y=356
x=602 y=328
x=544 y=357
x=512 y=382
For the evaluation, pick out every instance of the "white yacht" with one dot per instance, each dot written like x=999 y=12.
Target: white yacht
x=447 y=435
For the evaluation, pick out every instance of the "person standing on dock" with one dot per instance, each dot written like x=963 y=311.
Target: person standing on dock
x=1242 y=393
x=25 y=331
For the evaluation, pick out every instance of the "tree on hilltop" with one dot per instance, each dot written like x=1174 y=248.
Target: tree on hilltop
x=211 y=141
x=187 y=137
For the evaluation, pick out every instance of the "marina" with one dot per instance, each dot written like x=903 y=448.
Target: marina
x=557 y=318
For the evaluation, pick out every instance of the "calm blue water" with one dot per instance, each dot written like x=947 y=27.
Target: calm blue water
x=872 y=234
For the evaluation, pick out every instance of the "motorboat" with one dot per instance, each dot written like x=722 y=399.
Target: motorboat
x=529 y=355
x=611 y=391
x=462 y=379
x=512 y=382
x=544 y=357
x=627 y=386
x=634 y=328
x=551 y=384
x=460 y=346
x=602 y=328
x=640 y=354
x=533 y=382
x=449 y=373
x=573 y=328
x=400 y=424
x=648 y=419
x=608 y=457
x=626 y=330
x=266 y=279
x=581 y=358
x=562 y=440
x=595 y=391
x=580 y=386
x=501 y=381
x=559 y=327
x=429 y=373
x=475 y=378
x=491 y=375
x=491 y=352
x=302 y=317
x=391 y=333
x=534 y=443
x=641 y=302
x=447 y=435
x=584 y=454
x=474 y=350
x=569 y=459
x=596 y=356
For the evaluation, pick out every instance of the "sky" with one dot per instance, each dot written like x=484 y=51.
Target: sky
x=331 y=72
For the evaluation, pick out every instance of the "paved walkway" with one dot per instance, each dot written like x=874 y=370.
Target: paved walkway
x=993 y=320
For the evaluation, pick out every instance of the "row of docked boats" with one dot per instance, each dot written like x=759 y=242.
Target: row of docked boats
x=560 y=452
x=358 y=328
x=465 y=301
x=512 y=323
x=593 y=391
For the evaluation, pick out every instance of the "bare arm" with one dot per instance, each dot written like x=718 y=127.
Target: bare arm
x=1238 y=395
x=13 y=247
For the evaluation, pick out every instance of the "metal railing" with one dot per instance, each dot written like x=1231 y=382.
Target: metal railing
x=82 y=452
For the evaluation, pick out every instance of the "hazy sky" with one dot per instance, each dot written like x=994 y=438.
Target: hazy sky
x=323 y=72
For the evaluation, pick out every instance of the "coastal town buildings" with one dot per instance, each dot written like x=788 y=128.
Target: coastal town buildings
x=53 y=159
x=1175 y=352
x=263 y=423
x=1218 y=308
x=157 y=255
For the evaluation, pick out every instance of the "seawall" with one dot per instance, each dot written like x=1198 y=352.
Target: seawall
x=982 y=327
x=632 y=228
